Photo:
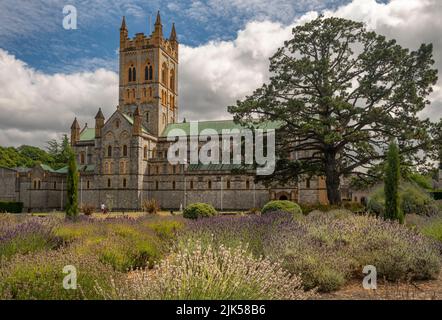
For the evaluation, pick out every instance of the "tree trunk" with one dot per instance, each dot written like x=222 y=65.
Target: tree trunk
x=332 y=180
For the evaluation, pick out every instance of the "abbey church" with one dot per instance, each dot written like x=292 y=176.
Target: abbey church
x=122 y=159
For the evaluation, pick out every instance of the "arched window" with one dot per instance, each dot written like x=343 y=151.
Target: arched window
x=209 y=184
x=146 y=73
x=145 y=152
x=88 y=185
x=173 y=185
x=124 y=183
x=134 y=74
x=156 y=185
x=124 y=151
x=191 y=184
x=109 y=183
x=147 y=116
x=172 y=80
x=307 y=183
x=82 y=160
x=133 y=95
x=150 y=73
x=130 y=74
x=109 y=151
x=228 y=184
x=55 y=185
x=128 y=94
x=164 y=74
x=247 y=184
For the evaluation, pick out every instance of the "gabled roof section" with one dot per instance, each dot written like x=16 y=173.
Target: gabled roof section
x=219 y=126
x=131 y=121
x=87 y=134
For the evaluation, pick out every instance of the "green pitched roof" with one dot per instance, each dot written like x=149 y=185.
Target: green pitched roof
x=219 y=167
x=218 y=126
x=131 y=121
x=87 y=134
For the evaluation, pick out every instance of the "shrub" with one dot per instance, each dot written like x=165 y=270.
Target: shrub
x=87 y=209
x=282 y=205
x=165 y=229
x=198 y=210
x=213 y=273
x=11 y=207
x=307 y=207
x=26 y=237
x=433 y=230
x=151 y=206
x=414 y=200
x=40 y=276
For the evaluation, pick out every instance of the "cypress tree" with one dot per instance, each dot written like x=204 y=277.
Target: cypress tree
x=391 y=182
x=72 y=187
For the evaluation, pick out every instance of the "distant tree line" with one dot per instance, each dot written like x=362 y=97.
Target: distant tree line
x=55 y=155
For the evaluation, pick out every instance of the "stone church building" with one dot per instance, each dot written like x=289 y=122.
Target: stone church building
x=123 y=159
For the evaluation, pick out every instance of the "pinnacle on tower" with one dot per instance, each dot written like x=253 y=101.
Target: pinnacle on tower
x=173 y=33
x=99 y=114
x=75 y=124
x=158 y=20
x=123 y=24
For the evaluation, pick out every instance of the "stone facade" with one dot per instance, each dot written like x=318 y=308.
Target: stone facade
x=123 y=160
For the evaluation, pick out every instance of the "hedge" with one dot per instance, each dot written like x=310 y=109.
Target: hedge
x=11 y=207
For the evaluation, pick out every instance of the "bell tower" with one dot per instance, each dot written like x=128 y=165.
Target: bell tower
x=149 y=77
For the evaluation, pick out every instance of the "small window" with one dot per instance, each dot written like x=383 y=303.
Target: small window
x=35 y=184
x=39 y=185
x=125 y=151
x=247 y=184
x=124 y=183
x=307 y=183
x=117 y=123
x=173 y=185
x=209 y=184
x=147 y=116
x=109 y=151
x=55 y=185
x=145 y=152
x=109 y=183
x=191 y=184
x=228 y=184
x=156 y=185
x=82 y=158
x=88 y=184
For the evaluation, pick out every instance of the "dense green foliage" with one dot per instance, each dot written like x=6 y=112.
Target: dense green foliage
x=284 y=206
x=72 y=188
x=29 y=156
x=391 y=185
x=414 y=200
x=199 y=210
x=11 y=207
x=340 y=93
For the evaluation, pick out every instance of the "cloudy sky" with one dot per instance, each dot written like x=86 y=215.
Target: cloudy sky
x=49 y=75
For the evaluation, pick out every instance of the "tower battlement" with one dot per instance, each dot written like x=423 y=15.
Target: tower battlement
x=149 y=76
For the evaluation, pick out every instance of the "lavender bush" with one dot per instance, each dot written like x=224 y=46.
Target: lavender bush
x=196 y=272
x=28 y=236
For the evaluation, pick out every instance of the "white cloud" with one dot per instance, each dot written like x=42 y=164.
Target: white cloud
x=35 y=106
